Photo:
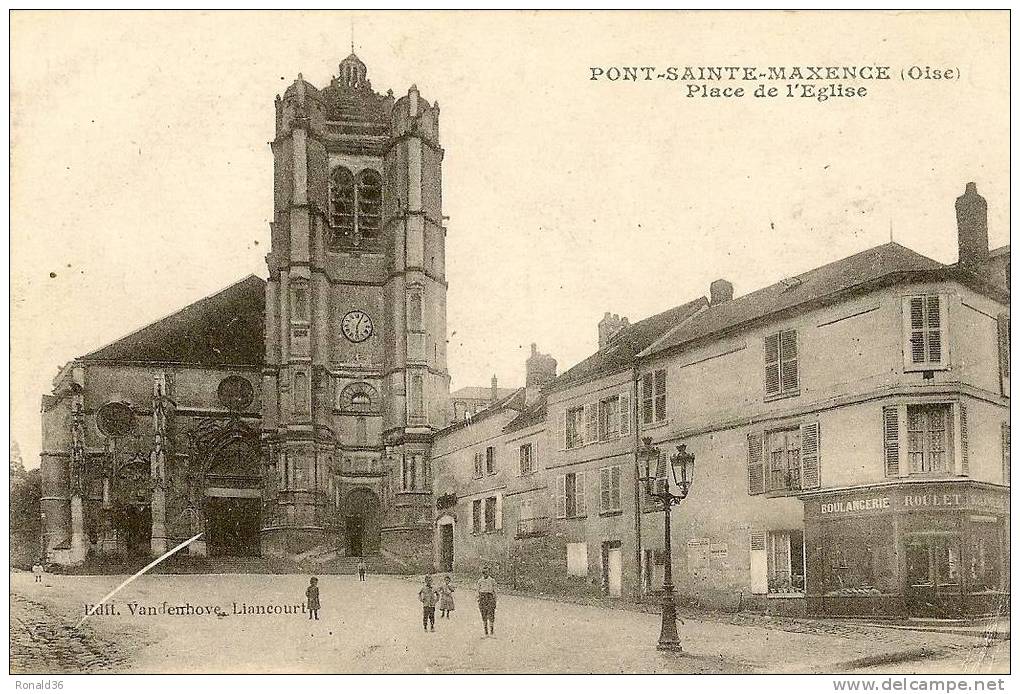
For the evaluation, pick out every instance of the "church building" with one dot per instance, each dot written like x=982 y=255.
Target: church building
x=287 y=415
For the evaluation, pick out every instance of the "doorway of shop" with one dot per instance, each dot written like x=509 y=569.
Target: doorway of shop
x=933 y=575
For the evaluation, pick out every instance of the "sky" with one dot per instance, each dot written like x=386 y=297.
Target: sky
x=141 y=176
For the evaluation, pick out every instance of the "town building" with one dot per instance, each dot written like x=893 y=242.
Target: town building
x=282 y=415
x=470 y=400
x=851 y=431
x=851 y=428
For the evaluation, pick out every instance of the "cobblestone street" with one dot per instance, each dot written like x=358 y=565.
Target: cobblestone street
x=376 y=627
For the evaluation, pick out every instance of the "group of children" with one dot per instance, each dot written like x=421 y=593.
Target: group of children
x=431 y=598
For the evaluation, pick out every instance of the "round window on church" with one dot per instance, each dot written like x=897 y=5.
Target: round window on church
x=235 y=393
x=115 y=419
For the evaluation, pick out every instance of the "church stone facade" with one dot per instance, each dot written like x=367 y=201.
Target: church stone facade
x=290 y=415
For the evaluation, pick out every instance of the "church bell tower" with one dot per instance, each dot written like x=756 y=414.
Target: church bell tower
x=356 y=381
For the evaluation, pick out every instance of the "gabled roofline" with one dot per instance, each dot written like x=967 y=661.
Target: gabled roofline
x=498 y=406
x=952 y=273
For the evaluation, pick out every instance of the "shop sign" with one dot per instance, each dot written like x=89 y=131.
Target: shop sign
x=878 y=503
x=916 y=499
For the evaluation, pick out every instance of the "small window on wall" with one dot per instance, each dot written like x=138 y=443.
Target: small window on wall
x=299 y=311
x=653 y=397
x=929 y=438
x=490 y=460
x=782 y=376
x=786 y=561
x=300 y=391
x=527 y=459
x=476 y=516
x=417 y=406
x=414 y=310
x=609 y=418
x=609 y=488
x=478 y=464
x=925 y=320
x=574 y=427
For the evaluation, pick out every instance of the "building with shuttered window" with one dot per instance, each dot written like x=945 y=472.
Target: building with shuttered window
x=851 y=428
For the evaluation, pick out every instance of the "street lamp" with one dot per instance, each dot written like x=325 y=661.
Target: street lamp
x=657 y=486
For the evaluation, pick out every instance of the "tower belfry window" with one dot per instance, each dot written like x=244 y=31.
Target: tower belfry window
x=341 y=202
x=355 y=206
x=369 y=205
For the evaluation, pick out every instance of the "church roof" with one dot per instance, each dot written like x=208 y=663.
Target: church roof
x=226 y=328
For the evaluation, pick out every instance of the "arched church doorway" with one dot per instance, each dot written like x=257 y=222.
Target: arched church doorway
x=232 y=526
x=134 y=525
x=362 y=522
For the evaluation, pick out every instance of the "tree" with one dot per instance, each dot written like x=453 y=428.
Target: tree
x=25 y=519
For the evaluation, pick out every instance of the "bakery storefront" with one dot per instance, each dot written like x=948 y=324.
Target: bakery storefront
x=917 y=548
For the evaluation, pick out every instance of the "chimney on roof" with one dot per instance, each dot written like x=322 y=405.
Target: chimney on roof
x=972 y=227
x=494 y=395
x=609 y=326
x=540 y=369
x=720 y=291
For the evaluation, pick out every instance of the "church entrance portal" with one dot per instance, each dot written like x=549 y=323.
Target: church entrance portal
x=362 y=522
x=134 y=522
x=232 y=526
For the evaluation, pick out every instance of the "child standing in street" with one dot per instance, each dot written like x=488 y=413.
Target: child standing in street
x=428 y=597
x=312 y=593
x=38 y=570
x=446 y=598
x=361 y=569
x=487 y=601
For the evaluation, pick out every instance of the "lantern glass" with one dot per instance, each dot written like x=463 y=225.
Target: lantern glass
x=683 y=467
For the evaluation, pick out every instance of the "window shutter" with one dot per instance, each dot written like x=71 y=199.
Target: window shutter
x=591 y=423
x=624 y=414
x=790 y=378
x=615 y=501
x=964 y=456
x=759 y=563
x=499 y=512
x=772 y=384
x=1005 y=452
x=914 y=309
x=755 y=473
x=810 y=455
x=605 y=490
x=891 y=436
x=1003 y=325
x=561 y=496
x=579 y=483
x=647 y=399
x=563 y=430
x=934 y=330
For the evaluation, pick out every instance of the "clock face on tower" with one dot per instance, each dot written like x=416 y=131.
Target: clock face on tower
x=357 y=326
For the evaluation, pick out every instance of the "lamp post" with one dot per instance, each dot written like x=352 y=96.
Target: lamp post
x=657 y=486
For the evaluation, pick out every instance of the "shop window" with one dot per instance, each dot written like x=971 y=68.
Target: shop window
x=570 y=497
x=786 y=561
x=781 y=371
x=929 y=438
x=609 y=418
x=983 y=571
x=856 y=559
